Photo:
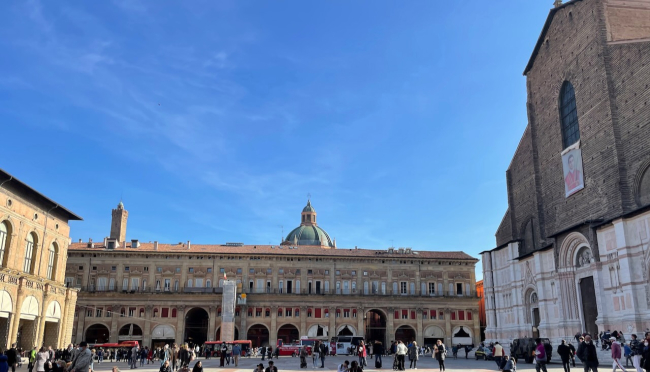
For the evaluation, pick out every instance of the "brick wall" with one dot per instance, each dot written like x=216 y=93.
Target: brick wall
x=611 y=85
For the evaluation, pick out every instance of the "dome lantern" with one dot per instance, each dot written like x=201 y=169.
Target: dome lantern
x=309 y=233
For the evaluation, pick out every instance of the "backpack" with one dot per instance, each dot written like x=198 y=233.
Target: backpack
x=540 y=356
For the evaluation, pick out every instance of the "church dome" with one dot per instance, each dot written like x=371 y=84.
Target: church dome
x=308 y=207
x=309 y=235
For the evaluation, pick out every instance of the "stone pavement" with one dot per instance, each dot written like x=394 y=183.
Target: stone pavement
x=293 y=364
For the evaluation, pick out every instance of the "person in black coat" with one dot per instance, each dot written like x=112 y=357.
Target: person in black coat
x=12 y=357
x=565 y=354
x=588 y=354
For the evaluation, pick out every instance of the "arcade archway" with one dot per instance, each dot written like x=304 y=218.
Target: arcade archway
x=346 y=330
x=288 y=333
x=259 y=335
x=196 y=326
x=97 y=334
x=375 y=323
x=405 y=333
x=318 y=330
x=432 y=334
x=130 y=332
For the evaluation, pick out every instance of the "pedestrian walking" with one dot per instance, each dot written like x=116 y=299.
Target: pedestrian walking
x=588 y=355
x=440 y=353
x=565 y=355
x=616 y=354
x=540 y=356
x=400 y=352
x=413 y=355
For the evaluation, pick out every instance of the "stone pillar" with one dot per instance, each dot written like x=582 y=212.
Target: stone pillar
x=146 y=337
x=303 y=320
x=180 y=324
x=113 y=335
x=243 y=319
x=448 y=327
x=390 y=326
x=361 y=313
x=332 y=312
x=213 y=324
x=16 y=320
x=81 y=326
x=273 y=332
x=476 y=326
x=419 y=330
x=40 y=331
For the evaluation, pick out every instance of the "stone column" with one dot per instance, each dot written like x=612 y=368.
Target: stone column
x=40 y=331
x=390 y=326
x=419 y=337
x=80 y=325
x=213 y=323
x=332 y=312
x=273 y=332
x=243 y=319
x=361 y=312
x=476 y=326
x=146 y=340
x=448 y=326
x=113 y=335
x=303 y=321
x=16 y=321
x=180 y=324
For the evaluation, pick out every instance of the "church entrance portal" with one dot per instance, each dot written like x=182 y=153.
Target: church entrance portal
x=375 y=323
x=589 y=308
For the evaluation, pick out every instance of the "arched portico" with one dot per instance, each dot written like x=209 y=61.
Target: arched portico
x=258 y=334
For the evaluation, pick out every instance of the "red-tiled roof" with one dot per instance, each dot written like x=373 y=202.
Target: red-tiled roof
x=276 y=250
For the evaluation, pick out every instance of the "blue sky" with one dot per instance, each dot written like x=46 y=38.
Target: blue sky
x=213 y=120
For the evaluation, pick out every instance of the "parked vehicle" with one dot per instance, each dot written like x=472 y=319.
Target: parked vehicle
x=483 y=352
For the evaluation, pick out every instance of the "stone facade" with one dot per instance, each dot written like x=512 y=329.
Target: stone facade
x=35 y=307
x=579 y=263
x=163 y=293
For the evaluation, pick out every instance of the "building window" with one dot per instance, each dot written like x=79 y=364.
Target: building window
x=461 y=315
x=280 y=311
x=146 y=268
x=296 y=312
x=132 y=312
x=308 y=313
x=403 y=288
x=51 y=261
x=258 y=312
x=209 y=270
x=222 y=270
x=99 y=312
x=281 y=271
x=159 y=269
x=174 y=313
x=89 y=313
x=4 y=242
x=309 y=272
x=251 y=271
x=453 y=315
x=569 y=115
x=267 y=312
x=346 y=313
x=327 y=272
x=155 y=312
x=441 y=315
x=191 y=270
x=29 y=254
x=432 y=289
x=239 y=271
x=405 y=314
x=459 y=289
x=127 y=268
x=469 y=315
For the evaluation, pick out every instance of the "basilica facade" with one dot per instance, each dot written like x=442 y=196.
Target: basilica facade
x=573 y=249
x=305 y=286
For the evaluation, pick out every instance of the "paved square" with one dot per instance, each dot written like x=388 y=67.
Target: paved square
x=293 y=364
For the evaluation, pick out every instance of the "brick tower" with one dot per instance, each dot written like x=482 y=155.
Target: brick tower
x=118 y=223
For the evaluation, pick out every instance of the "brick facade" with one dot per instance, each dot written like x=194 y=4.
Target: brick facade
x=602 y=48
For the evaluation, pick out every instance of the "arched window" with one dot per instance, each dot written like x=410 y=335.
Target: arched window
x=208 y=283
x=4 y=241
x=569 y=115
x=51 y=261
x=28 y=266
